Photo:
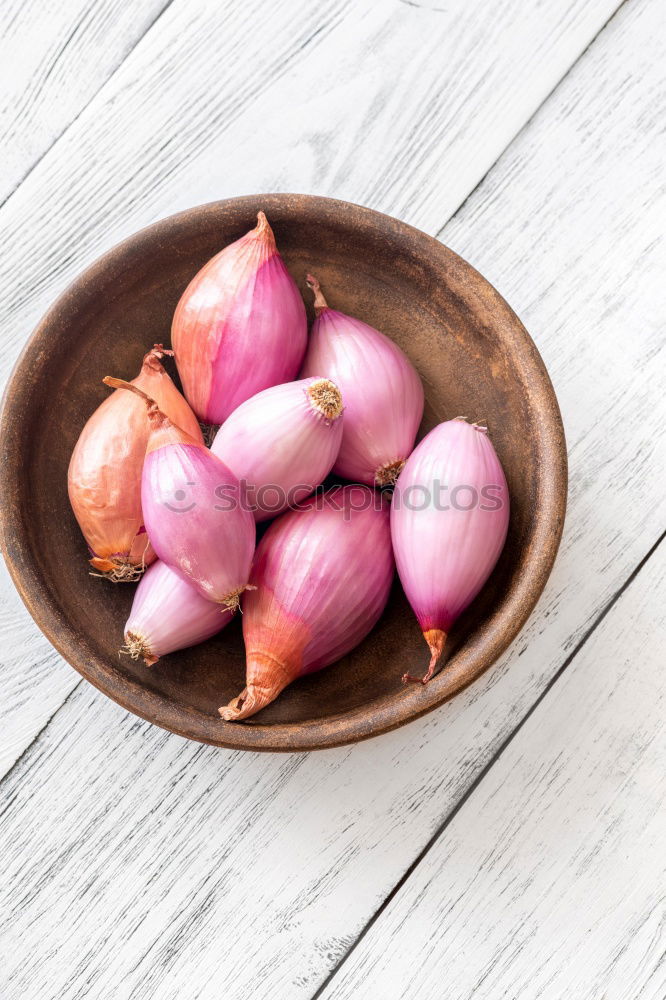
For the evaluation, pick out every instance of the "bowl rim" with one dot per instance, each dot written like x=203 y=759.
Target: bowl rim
x=374 y=718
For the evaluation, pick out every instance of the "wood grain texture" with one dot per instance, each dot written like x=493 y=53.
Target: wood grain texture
x=549 y=882
x=335 y=99
x=35 y=680
x=173 y=870
x=397 y=106
x=55 y=58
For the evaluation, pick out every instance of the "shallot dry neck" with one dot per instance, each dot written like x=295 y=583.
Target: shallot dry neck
x=155 y=415
x=320 y=302
x=263 y=231
x=152 y=358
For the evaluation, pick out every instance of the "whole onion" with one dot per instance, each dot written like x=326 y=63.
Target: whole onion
x=239 y=327
x=282 y=443
x=104 y=477
x=167 y=614
x=192 y=507
x=449 y=520
x=322 y=576
x=382 y=391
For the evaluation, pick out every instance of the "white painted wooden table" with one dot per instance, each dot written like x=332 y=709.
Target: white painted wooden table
x=513 y=843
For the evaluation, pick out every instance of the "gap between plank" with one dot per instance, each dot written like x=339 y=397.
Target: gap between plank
x=569 y=659
x=459 y=207
x=92 y=97
x=439 y=232
x=532 y=116
x=448 y=819
x=38 y=734
x=304 y=45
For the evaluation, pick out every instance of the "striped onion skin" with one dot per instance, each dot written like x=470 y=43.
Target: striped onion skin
x=382 y=393
x=282 y=443
x=239 y=327
x=449 y=520
x=322 y=576
x=104 y=476
x=168 y=614
x=193 y=509
x=196 y=520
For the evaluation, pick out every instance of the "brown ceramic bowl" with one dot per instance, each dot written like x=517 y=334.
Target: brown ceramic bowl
x=475 y=358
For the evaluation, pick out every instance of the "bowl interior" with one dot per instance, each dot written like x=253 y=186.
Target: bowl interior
x=474 y=358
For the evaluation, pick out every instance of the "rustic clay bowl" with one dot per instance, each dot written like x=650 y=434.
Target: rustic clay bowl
x=475 y=358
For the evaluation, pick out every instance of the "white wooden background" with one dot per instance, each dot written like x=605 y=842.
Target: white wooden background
x=513 y=843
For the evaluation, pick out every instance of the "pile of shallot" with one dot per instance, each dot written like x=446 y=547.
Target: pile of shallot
x=283 y=411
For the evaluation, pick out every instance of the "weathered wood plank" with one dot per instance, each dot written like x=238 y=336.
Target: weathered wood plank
x=55 y=58
x=365 y=101
x=549 y=882
x=35 y=680
x=170 y=870
x=399 y=107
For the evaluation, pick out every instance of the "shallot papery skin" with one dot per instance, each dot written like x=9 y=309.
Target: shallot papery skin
x=192 y=508
x=449 y=519
x=322 y=576
x=382 y=391
x=239 y=327
x=104 y=477
x=282 y=443
x=168 y=614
